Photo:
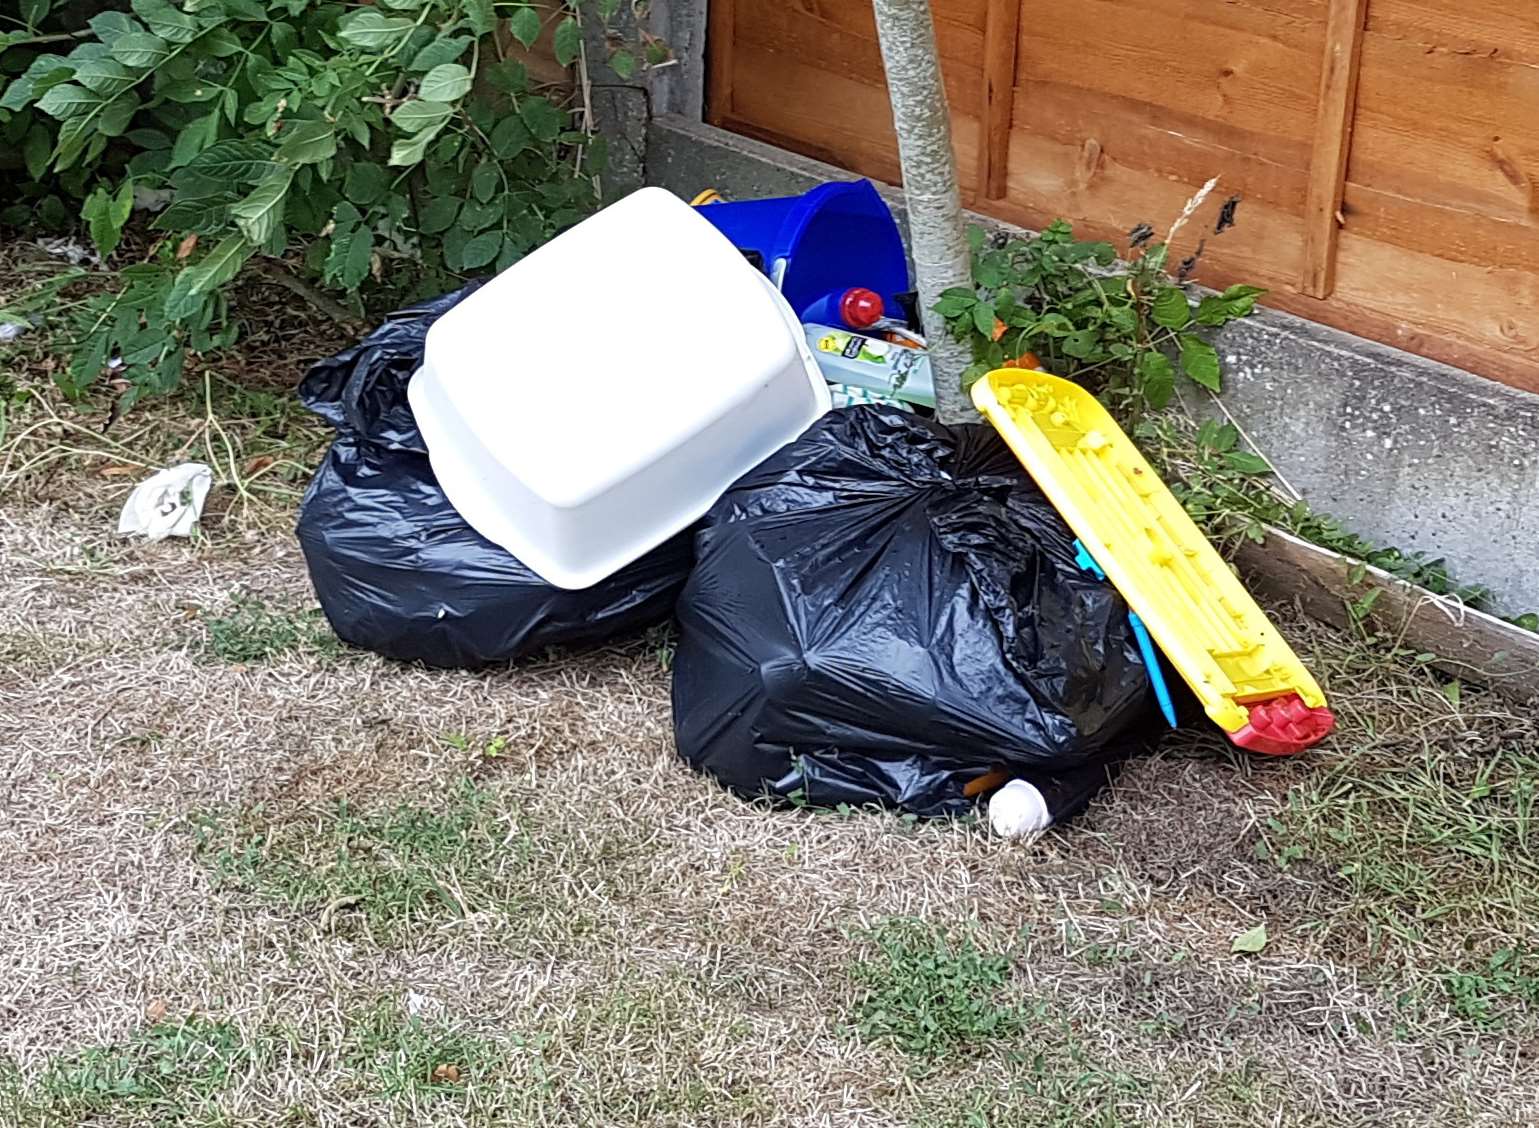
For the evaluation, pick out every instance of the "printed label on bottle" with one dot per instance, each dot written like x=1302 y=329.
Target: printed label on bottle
x=852 y=346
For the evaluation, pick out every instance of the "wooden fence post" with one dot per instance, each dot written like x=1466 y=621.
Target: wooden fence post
x=1001 y=33
x=1333 y=142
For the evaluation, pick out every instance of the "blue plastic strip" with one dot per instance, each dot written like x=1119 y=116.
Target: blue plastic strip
x=1087 y=563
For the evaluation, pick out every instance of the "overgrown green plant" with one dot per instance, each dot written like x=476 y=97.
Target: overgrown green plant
x=1111 y=325
x=393 y=144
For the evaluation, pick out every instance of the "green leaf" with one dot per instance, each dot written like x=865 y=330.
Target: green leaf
x=1159 y=378
x=1453 y=690
x=261 y=212
x=484 y=181
x=370 y=29
x=106 y=76
x=447 y=82
x=1081 y=344
x=193 y=139
x=1053 y=325
x=983 y=319
x=365 y=182
x=507 y=75
x=165 y=21
x=68 y=100
x=1171 y=309
x=34 y=11
x=223 y=166
x=140 y=49
x=440 y=51
x=418 y=115
x=1237 y=301
x=1250 y=941
x=481 y=250
x=101 y=219
x=542 y=118
x=355 y=265
x=623 y=63
x=510 y=137
x=453 y=244
x=203 y=214
x=1242 y=299
x=43 y=73
x=220 y=43
x=307 y=142
x=219 y=265
x=1217 y=438
x=477 y=216
x=1199 y=360
x=481 y=16
x=36 y=149
x=568 y=42
x=114 y=119
x=525 y=26
x=190 y=90
x=1212 y=311
x=1247 y=463
x=109 y=25
x=438 y=215
x=122 y=204
x=410 y=150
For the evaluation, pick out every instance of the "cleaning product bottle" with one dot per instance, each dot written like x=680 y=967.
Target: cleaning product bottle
x=846 y=357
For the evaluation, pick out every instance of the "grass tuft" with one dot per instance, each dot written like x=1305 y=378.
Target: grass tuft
x=398 y=867
x=169 y=1073
x=251 y=631
x=930 y=994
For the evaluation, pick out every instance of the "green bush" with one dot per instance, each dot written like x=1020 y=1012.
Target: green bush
x=1123 y=329
x=357 y=147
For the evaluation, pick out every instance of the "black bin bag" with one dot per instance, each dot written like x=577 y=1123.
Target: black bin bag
x=395 y=567
x=888 y=608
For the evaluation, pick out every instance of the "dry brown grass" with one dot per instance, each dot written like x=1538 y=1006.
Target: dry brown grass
x=526 y=884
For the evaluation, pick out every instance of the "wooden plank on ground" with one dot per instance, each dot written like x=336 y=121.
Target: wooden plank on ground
x=1468 y=644
x=1001 y=40
x=1333 y=143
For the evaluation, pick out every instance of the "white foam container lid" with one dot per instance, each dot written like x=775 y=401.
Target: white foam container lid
x=600 y=394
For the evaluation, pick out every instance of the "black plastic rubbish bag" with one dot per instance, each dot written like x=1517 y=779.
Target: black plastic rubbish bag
x=398 y=571
x=888 y=608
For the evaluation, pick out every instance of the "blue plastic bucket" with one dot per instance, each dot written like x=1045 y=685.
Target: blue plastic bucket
x=819 y=244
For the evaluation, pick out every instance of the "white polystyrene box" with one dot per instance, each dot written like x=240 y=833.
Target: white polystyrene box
x=600 y=394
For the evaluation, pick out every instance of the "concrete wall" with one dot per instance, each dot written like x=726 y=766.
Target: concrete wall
x=1403 y=450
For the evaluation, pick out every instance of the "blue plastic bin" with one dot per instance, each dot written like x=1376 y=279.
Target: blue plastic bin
x=821 y=243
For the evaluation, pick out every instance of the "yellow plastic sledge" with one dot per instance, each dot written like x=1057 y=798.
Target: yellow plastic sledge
x=1247 y=678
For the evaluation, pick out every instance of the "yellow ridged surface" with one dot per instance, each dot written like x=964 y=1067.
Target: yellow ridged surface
x=1197 y=611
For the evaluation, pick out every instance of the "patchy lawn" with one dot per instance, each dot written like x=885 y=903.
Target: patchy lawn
x=251 y=877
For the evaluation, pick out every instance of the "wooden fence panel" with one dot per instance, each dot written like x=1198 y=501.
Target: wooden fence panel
x=1403 y=206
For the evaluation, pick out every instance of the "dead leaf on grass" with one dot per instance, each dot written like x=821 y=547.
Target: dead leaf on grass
x=118 y=471
x=186 y=247
x=155 y=1011
x=447 y=1072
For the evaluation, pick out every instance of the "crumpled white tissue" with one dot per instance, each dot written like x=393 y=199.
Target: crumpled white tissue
x=167 y=504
